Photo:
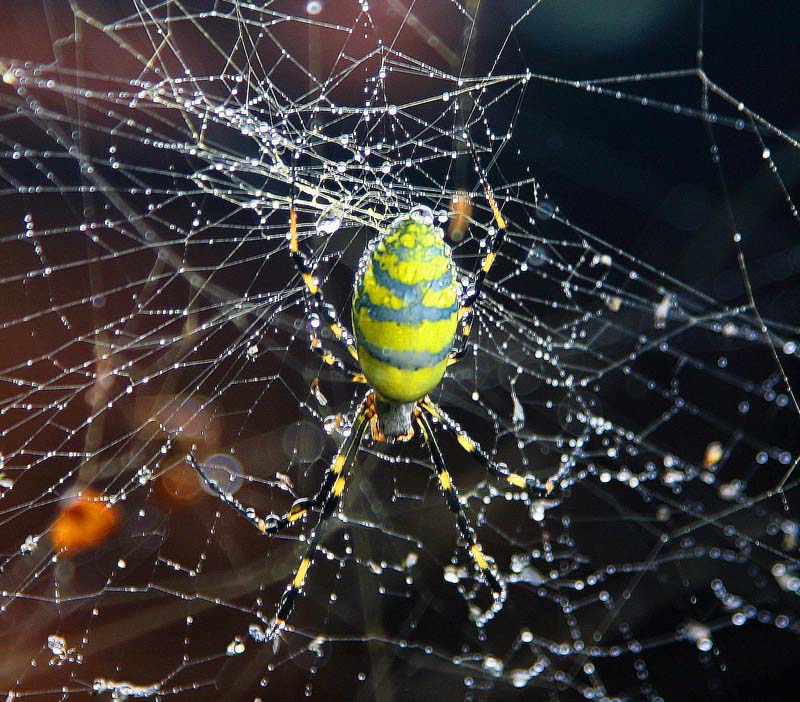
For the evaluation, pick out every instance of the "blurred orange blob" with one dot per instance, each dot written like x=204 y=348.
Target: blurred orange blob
x=714 y=453
x=180 y=484
x=460 y=213
x=85 y=522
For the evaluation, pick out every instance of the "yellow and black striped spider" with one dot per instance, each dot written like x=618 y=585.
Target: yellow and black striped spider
x=411 y=319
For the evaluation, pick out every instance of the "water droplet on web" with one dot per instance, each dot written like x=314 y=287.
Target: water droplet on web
x=422 y=214
x=235 y=647
x=536 y=257
x=329 y=225
x=493 y=665
x=224 y=471
x=303 y=441
x=545 y=210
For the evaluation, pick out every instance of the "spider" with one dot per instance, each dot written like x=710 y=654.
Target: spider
x=411 y=320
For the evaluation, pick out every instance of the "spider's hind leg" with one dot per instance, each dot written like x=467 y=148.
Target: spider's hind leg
x=331 y=496
x=271 y=523
x=527 y=482
x=465 y=530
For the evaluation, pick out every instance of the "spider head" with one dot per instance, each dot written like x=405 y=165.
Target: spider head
x=394 y=419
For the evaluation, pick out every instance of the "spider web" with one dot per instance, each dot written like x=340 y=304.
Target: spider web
x=151 y=311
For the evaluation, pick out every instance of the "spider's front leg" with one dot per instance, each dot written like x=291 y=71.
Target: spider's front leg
x=325 y=310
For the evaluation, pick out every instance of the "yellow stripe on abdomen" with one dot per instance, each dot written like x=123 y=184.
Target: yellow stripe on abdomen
x=405 y=311
x=398 y=384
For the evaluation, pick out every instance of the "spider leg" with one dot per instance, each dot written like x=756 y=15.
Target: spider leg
x=466 y=531
x=330 y=496
x=302 y=261
x=524 y=482
x=473 y=292
x=272 y=522
x=326 y=311
x=334 y=362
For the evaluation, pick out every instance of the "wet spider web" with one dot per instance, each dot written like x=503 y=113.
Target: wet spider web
x=151 y=312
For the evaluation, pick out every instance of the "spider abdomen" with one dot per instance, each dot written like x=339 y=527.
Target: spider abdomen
x=405 y=309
